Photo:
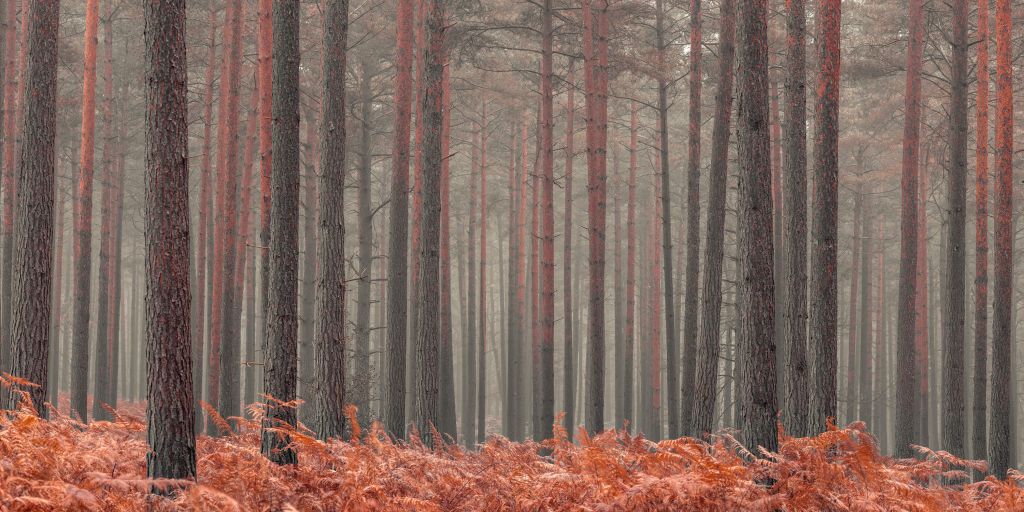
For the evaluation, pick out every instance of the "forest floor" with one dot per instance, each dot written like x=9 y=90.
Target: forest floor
x=62 y=464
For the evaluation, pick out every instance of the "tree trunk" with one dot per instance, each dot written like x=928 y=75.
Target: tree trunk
x=417 y=214
x=822 y=290
x=547 y=250
x=446 y=363
x=198 y=315
x=569 y=350
x=264 y=75
x=880 y=414
x=864 y=392
x=481 y=369
x=83 y=221
x=706 y=374
x=469 y=384
x=922 y=326
x=282 y=301
x=56 y=352
x=953 y=332
x=428 y=377
x=850 y=413
x=510 y=412
x=329 y=317
x=979 y=431
x=1002 y=408
x=361 y=381
x=228 y=390
x=597 y=134
x=307 y=283
x=171 y=434
x=690 y=319
x=393 y=399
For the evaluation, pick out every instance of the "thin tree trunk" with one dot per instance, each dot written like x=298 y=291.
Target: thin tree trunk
x=446 y=363
x=307 y=284
x=979 y=430
x=953 y=335
x=481 y=369
x=282 y=301
x=264 y=75
x=864 y=392
x=393 y=399
x=83 y=221
x=1000 y=419
x=361 y=382
x=512 y=312
x=469 y=384
x=707 y=350
x=171 y=434
x=922 y=326
x=850 y=413
x=822 y=290
x=547 y=278
x=329 y=317
x=880 y=414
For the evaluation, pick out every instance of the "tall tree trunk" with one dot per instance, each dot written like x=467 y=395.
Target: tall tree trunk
x=757 y=289
x=922 y=327
x=850 y=413
x=56 y=351
x=597 y=134
x=795 y=213
x=822 y=290
x=690 y=320
x=979 y=430
x=417 y=212
x=116 y=270
x=282 y=298
x=481 y=369
x=106 y=272
x=469 y=374
x=953 y=350
x=361 y=380
x=83 y=221
x=264 y=75
x=171 y=434
x=547 y=242
x=428 y=377
x=864 y=392
x=510 y=412
x=629 y=336
x=906 y=378
x=880 y=414
x=706 y=374
x=244 y=285
x=393 y=398
x=198 y=315
x=1002 y=408
x=225 y=245
x=309 y=264
x=329 y=318
x=16 y=98
x=569 y=350
x=446 y=362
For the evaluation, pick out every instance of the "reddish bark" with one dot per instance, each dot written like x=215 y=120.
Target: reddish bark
x=83 y=220
x=906 y=376
x=547 y=279
x=393 y=403
x=999 y=435
x=569 y=373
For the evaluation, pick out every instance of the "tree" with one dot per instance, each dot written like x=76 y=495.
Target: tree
x=264 y=79
x=428 y=331
x=170 y=412
x=547 y=241
x=393 y=403
x=83 y=220
x=33 y=226
x=757 y=289
x=708 y=348
x=795 y=212
x=597 y=137
x=690 y=319
x=1002 y=330
x=953 y=332
x=906 y=359
x=822 y=290
x=979 y=431
x=329 y=329
x=569 y=372
x=280 y=359
x=481 y=369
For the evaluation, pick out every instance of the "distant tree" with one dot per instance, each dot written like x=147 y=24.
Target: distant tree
x=170 y=411
x=83 y=221
x=979 y=430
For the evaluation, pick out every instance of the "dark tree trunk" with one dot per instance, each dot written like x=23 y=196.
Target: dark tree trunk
x=329 y=319
x=850 y=412
x=822 y=289
x=1002 y=329
x=280 y=356
x=795 y=212
x=83 y=224
x=428 y=377
x=690 y=319
x=706 y=375
x=170 y=411
x=757 y=289
x=979 y=431
x=953 y=319
x=906 y=376
x=393 y=398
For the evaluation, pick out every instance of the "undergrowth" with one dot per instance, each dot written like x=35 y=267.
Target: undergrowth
x=61 y=464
